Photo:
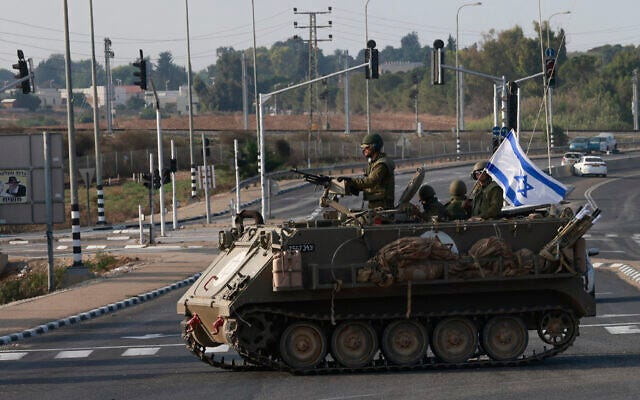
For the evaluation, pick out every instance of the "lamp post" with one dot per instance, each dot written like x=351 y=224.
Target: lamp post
x=457 y=72
x=366 y=40
x=551 y=89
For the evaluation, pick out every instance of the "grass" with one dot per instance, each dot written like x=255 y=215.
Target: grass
x=16 y=285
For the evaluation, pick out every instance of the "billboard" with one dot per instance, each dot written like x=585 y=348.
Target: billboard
x=22 y=179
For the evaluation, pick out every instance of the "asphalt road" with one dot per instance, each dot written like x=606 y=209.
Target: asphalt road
x=137 y=353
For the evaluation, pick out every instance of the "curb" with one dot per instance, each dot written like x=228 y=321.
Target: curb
x=96 y=312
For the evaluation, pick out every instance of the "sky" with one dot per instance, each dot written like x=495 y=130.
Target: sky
x=37 y=26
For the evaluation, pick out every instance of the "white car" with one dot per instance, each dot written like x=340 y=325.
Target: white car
x=590 y=165
x=570 y=158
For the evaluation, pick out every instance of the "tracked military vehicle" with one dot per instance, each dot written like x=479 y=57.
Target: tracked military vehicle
x=383 y=290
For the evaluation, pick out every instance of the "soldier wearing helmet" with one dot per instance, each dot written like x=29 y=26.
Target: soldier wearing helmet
x=378 y=182
x=456 y=207
x=430 y=204
x=487 y=195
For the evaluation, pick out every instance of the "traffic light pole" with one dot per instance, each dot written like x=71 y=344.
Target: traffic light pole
x=264 y=97
x=160 y=155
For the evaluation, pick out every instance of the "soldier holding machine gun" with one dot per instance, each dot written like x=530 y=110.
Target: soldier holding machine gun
x=378 y=182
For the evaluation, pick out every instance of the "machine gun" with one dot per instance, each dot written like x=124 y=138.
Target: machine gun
x=334 y=186
x=571 y=232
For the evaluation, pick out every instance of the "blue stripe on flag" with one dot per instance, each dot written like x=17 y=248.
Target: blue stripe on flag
x=510 y=194
x=532 y=170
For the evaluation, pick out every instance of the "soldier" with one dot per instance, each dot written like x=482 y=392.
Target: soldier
x=456 y=207
x=432 y=207
x=378 y=182
x=487 y=195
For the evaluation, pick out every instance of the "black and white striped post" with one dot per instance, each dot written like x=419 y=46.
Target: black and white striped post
x=73 y=173
x=193 y=181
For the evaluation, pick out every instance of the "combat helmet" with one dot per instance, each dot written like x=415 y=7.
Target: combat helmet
x=457 y=188
x=426 y=192
x=477 y=167
x=372 y=139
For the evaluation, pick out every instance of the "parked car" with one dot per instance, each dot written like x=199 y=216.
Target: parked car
x=607 y=142
x=590 y=165
x=580 y=144
x=570 y=158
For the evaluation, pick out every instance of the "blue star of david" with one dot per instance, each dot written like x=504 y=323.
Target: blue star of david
x=523 y=186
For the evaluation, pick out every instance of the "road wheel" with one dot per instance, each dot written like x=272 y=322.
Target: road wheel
x=455 y=339
x=557 y=328
x=504 y=338
x=354 y=344
x=404 y=342
x=303 y=345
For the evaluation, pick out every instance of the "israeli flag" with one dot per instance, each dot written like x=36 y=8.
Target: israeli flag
x=523 y=183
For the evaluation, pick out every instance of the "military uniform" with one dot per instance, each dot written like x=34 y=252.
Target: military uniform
x=433 y=208
x=487 y=203
x=455 y=208
x=378 y=183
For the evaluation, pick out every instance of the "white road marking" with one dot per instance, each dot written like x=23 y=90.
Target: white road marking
x=65 y=240
x=617 y=315
x=12 y=356
x=150 y=336
x=118 y=237
x=96 y=246
x=74 y=354
x=140 y=351
x=611 y=235
x=610 y=324
x=18 y=242
x=134 y=246
x=622 y=329
x=219 y=349
x=62 y=247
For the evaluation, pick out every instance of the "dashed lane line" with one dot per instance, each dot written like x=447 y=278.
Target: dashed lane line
x=74 y=354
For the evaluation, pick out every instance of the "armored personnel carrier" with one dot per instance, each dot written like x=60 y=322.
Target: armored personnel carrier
x=384 y=290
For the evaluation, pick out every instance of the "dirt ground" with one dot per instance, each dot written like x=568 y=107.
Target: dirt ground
x=379 y=121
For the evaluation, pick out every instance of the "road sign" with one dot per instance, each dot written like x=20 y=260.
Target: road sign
x=504 y=131
x=549 y=52
x=87 y=175
x=496 y=130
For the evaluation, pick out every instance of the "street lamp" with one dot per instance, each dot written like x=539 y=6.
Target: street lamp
x=549 y=24
x=457 y=72
x=366 y=40
x=550 y=93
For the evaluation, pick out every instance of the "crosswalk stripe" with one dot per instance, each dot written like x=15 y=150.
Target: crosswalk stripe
x=622 y=329
x=140 y=351
x=74 y=354
x=12 y=356
x=96 y=246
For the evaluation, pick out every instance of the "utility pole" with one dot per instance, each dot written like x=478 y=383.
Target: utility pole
x=635 y=99
x=96 y=126
x=313 y=64
x=245 y=100
x=108 y=53
x=347 y=122
x=73 y=172
x=191 y=155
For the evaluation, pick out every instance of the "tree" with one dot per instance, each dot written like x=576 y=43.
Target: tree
x=167 y=74
x=28 y=101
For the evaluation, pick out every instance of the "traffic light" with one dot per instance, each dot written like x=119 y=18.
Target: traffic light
x=141 y=64
x=512 y=105
x=157 y=183
x=371 y=56
x=325 y=91
x=207 y=151
x=146 y=180
x=173 y=165
x=166 y=176
x=550 y=71
x=23 y=71
x=437 y=59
